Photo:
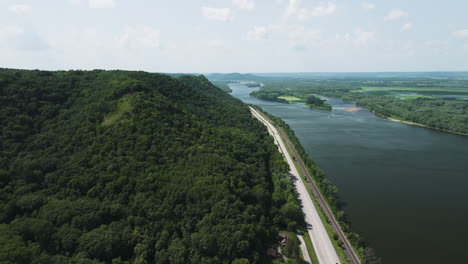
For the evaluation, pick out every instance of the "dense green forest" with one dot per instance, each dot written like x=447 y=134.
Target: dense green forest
x=444 y=114
x=223 y=85
x=317 y=103
x=269 y=96
x=437 y=100
x=253 y=85
x=133 y=167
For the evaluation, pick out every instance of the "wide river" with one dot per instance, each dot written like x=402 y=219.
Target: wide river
x=405 y=187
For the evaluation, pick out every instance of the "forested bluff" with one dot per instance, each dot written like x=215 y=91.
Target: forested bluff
x=134 y=167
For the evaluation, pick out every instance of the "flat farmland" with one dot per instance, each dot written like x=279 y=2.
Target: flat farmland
x=438 y=90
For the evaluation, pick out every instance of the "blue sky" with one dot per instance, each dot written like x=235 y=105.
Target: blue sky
x=235 y=35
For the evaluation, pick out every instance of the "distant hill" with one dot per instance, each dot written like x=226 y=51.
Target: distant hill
x=134 y=167
x=366 y=75
x=232 y=77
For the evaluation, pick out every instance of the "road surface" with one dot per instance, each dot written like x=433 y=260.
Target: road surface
x=349 y=250
x=323 y=246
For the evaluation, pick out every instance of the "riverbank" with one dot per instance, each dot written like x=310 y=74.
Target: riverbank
x=394 y=119
x=321 y=241
x=391 y=118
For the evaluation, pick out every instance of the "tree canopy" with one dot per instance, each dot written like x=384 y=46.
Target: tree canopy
x=133 y=167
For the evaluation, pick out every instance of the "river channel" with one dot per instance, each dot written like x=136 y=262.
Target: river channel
x=405 y=187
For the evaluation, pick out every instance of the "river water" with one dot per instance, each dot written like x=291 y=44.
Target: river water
x=405 y=187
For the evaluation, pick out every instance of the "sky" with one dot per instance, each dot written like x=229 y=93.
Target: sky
x=202 y=36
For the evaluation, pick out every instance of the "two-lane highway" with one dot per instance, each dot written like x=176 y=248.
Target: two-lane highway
x=323 y=246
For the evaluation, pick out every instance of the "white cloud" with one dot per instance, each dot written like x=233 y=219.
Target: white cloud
x=301 y=39
x=17 y=37
x=362 y=38
x=150 y=38
x=439 y=47
x=293 y=8
x=395 y=14
x=358 y=37
x=244 y=4
x=407 y=26
x=258 y=33
x=463 y=33
x=368 y=5
x=20 y=9
x=87 y=38
x=436 y=43
x=147 y=37
x=101 y=3
x=322 y=9
x=216 y=43
x=75 y=3
x=124 y=40
x=219 y=14
x=10 y=30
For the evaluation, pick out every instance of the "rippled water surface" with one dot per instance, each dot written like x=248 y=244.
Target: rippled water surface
x=405 y=187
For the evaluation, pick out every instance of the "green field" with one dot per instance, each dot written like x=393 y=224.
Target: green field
x=291 y=98
x=410 y=97
x=414 y=89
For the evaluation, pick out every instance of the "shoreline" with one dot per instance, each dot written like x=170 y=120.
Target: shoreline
x=406 y=122
x=418 y=124
x=350 y=253
x=321 y=241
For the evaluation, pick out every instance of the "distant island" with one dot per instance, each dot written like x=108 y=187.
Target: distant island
x=253 y=85
x=317 y=103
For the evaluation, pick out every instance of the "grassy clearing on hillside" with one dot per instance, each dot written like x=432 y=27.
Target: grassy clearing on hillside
x=123 y=107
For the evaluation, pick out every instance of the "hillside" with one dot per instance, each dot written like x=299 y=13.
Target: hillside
x=232 y=76
x=133 y=167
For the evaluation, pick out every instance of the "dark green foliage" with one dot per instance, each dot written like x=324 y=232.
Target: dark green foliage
x=253 y=85
x=315 y=102
x=291 y=248
x=269 y=96
x=223 y=85
x=183 y=175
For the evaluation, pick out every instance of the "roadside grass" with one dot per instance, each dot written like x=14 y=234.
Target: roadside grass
x=123 y=106
x=340 y=251
x=309 y=246
x=328 y=227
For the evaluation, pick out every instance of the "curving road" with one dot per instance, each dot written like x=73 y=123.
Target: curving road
x=323 y=246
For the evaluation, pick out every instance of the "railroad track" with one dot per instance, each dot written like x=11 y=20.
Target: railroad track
x=353 y=257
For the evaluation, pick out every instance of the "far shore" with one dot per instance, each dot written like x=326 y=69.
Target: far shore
x=409 y=122
x=418 y=124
